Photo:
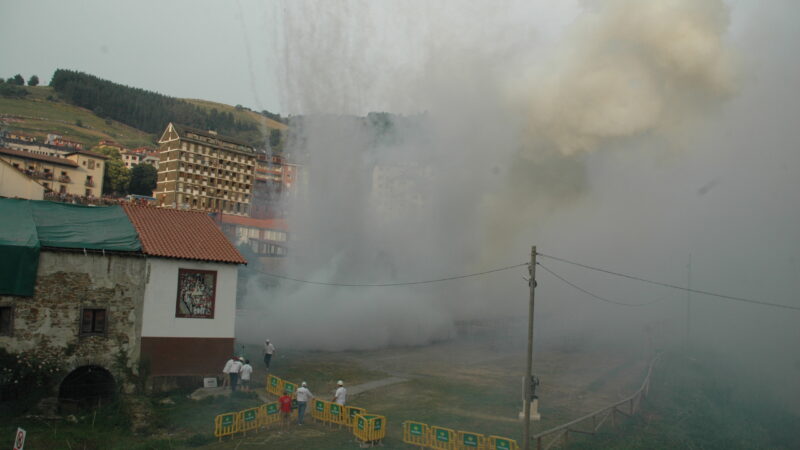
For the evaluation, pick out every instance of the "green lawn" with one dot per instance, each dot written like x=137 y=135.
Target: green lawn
x=688 y=407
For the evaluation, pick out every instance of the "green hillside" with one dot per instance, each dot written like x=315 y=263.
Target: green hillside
x=40 y=113
x=264 y=125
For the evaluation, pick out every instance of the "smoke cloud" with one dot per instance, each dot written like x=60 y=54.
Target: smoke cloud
x=511 y=130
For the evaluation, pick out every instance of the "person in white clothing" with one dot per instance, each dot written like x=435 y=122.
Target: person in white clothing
x=303 y=397
x=244 y=374
x=226 y=377
x=341 y=393
x=269 y=350
x=236 y=367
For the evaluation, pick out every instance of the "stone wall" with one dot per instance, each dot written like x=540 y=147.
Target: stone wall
x=69 y=281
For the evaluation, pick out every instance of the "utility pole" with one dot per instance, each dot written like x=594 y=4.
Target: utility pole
x=526 y=429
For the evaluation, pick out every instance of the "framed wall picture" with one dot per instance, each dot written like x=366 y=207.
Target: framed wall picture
x=197 y=292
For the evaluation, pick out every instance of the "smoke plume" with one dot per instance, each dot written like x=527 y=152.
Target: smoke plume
x=496 y=125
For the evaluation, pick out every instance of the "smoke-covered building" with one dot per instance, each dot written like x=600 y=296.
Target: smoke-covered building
x=201 y=170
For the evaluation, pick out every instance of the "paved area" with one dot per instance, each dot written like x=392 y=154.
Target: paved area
x=204 y=392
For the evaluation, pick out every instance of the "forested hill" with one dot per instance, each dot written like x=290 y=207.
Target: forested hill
x=149 y=111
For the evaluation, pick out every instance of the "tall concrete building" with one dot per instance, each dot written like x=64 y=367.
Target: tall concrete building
x=201 y=170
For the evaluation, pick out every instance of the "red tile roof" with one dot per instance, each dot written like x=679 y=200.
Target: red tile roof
x=173 y=233
x=269 y=224
x=38 y=157
x=87 y=153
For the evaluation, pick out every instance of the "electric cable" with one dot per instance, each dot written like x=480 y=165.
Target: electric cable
x=673 y=286
x=407 y=283
x=615 y=302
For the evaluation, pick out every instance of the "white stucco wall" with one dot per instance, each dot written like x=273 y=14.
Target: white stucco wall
x=161 y=294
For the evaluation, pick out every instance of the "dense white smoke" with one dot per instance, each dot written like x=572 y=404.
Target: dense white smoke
x=501 y=121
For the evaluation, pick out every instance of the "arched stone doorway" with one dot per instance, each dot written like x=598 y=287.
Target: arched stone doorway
x=86 y=387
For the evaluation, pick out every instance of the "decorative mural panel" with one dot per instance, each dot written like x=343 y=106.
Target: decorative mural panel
x=197 y=291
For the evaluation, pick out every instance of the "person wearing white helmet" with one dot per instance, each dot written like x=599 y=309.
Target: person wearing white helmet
x=303 y=397
x=341 y=393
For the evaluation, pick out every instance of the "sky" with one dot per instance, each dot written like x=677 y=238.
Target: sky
x=226 y=51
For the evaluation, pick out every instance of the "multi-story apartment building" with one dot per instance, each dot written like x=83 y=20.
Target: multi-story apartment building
x=76 y=173
x=202 y=170
x=276 y=181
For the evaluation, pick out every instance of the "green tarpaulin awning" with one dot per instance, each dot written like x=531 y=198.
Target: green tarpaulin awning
x=28 y=225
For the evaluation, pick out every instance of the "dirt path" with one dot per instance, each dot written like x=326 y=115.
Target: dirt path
x=370 y=385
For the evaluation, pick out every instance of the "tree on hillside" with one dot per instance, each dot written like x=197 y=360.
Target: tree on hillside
x=111 y=152
x=18 y=80
x=116 y=178
x=10 y=90
x=145 y=110
x=143 y=179
x=33 y=81
x=274 y=139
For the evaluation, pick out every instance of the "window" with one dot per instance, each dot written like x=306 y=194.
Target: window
x=6 y=320
x=91 y=164
x=197 y=290
x=93 y=321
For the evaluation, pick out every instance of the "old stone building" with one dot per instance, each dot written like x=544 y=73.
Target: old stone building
x=121 y=295
x=201 y=170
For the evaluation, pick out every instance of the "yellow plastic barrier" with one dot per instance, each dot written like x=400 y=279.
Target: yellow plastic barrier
x=467 y=440
x=444 y=438
x=416 y=433
x=369 y=428
x=289 y=387
x=502 y=443
x=350 y=413
x=335 y=413
x=269 y=413
x=248 y=420
x=226 y=424
x=318 y=409
x=274 y=385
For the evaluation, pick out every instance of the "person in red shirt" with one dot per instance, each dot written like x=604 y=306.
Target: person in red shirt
x=286 y=408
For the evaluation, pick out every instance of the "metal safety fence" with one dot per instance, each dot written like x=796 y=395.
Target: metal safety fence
x=431 y=436
x=591 y=423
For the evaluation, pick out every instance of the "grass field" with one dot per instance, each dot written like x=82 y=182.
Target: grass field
x=470 y=385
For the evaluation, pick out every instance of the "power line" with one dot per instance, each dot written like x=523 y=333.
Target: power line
x=616 y=302
x=407 y=283
x=673 y=286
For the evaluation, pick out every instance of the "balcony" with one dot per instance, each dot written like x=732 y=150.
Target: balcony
x=89 y=183
x=64 y=179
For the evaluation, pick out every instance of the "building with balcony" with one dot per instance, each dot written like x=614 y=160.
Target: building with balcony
x=201 y=170
x=77 y=173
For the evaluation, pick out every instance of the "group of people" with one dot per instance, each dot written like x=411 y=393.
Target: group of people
x=304 y=396
x=237 y=369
